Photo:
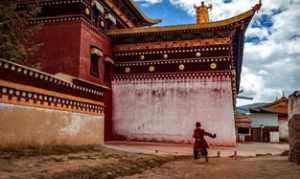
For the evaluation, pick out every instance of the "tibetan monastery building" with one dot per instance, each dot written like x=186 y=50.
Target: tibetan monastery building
x=160 y=80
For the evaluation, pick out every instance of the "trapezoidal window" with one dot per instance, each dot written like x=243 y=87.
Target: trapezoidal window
x=96 y=54
x=94 y=65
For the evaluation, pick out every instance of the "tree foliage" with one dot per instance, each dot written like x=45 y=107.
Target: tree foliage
x=16 y=31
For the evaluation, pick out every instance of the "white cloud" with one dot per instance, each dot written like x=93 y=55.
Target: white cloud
x=272 y=64
x=260 y=33
x=279 y=55
x=148 y=2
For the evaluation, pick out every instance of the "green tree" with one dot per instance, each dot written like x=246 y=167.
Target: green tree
x=17 y=30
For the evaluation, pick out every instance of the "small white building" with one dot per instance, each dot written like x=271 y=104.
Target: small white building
x=268 y=121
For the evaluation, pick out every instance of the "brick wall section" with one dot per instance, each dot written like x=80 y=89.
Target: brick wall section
x=294 y=127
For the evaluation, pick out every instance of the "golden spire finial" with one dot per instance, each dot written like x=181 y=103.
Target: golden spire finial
x=202 y=12
x=258 y=5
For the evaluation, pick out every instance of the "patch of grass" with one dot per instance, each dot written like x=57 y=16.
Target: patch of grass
x=263 y=155
x=285 y=153
x=122 y=163
x=6 y=166
x=14 y=153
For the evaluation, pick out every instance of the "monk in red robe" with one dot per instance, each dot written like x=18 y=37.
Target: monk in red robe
x=200 y=144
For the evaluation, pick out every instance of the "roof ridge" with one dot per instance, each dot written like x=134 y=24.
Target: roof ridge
x=223 y=22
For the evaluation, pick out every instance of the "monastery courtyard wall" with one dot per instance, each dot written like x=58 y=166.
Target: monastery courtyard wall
x=22 y=126
x=39 y=109
x=167 y=110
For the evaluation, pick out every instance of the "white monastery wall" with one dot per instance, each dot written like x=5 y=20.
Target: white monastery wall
x=166 y=110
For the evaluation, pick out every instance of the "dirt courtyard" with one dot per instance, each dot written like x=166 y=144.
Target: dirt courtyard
x=96 y=162
x=224 y=168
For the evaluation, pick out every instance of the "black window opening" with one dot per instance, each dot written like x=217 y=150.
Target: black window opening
x=94 y=65
x=95 y=15
x=242 y=130
x=107 y=76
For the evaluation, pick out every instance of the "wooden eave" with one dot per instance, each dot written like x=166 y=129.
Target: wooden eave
x=242 y=120
x=295 y=94
x=136 y=12
x=279 y=107
x=147 y=20
x=50 y=2
x=240 y=20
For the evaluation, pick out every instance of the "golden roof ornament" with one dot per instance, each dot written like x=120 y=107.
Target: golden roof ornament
x=258 y=6
x=202 y=12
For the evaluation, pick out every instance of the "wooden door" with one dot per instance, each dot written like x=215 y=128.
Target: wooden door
x=266 y=135
x=256 y=134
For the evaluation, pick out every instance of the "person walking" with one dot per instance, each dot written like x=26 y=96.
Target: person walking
x=200 y=144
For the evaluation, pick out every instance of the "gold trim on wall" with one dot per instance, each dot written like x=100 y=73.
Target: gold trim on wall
x=45 y=105
x=46 y=92
x=172 y=44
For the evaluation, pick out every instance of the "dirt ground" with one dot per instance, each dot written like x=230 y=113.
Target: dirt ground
x=92 y=162
x=249 y=149
x=224 y=168
x=64 y=162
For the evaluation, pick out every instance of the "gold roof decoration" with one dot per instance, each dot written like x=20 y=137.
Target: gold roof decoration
x=232 y=20
x=202 y=12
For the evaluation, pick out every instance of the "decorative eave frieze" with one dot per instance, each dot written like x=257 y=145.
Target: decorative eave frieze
x=70 y=19
x=170 y=51
x=173 y=61
x=9 y=67
x=19 y=96
x=21 y=85
x=53 y=2
x=164 y=47
x=59 y=19
x=208 y=75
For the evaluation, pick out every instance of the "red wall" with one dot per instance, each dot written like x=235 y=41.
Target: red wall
x=60 y=47
x=66 y=49
x=91 y=37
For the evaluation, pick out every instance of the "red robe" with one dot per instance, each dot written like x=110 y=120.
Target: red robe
x=200 y=141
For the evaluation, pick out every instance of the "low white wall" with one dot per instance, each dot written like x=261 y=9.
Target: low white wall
x=283 y=129
x=274 y=137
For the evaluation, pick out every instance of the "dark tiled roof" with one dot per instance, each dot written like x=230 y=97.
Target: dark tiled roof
x=246 y=108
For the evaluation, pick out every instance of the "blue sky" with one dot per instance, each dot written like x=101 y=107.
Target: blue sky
x=272 y=48
x=166 y=11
